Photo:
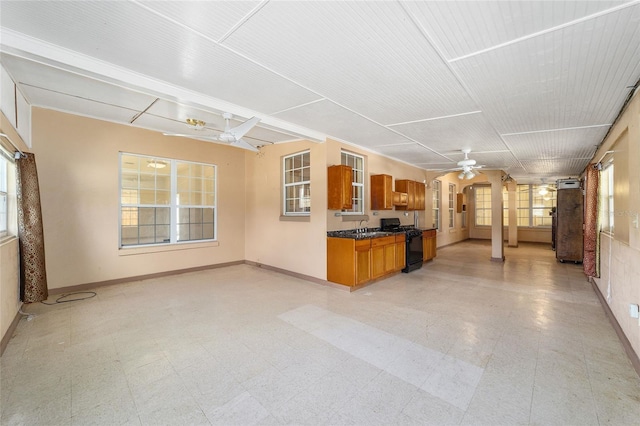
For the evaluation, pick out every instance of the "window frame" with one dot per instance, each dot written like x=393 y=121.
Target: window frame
x=607 y=201
x=436 y=193
x=486 y=206
x=452 y=205
x=173 y=205
x=354 y=183
x=300 y=183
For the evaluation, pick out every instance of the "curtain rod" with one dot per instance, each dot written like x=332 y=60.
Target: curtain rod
x=22 y=154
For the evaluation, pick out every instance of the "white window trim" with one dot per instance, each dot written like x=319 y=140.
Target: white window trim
x=436 y=203
x=173 y=206
x=356 y=184
x=286 y=185
x=476 y=209
x=452 y=205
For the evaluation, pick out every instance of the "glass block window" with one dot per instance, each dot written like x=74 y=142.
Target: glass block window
x=296 y=170
x=165 y=201
x=356 y=162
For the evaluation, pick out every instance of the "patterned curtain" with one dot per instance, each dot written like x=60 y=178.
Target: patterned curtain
x=33 y=274
x=591 y=260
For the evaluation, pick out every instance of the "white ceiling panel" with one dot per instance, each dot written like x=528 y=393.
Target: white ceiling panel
x=455 y=133
x=562 y=167
x=156 y=46
x=411 y=153
x=29 y=73
x=336 y=120
x=366 y=56
x=573 y=77
x=462 y=28
x=570 y=143
x=213 y=19
x=523 y=84
x=78 y=106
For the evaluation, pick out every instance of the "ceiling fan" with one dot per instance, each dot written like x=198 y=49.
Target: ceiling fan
x=467 y=166
x=232 y=135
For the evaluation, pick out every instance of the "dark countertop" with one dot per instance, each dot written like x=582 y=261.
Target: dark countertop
x=368 y=233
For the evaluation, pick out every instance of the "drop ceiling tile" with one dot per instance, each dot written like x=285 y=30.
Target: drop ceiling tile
x=573 y=77
x=570 y=143
x=462 y=28
x=37 y=75
x=454 y=133
x=132 y=37
x=341 y=124
x=78 y=106
x=365 y=56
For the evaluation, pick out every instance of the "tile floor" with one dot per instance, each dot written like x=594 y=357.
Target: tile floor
x=461 y=341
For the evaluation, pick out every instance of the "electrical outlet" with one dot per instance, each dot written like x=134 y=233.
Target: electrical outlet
x=633 y=310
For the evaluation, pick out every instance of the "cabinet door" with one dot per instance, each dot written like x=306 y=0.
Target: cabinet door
x=409 y=188
x=381 y=192
x=401 y=255
x=420 y=196
x=389 y=258
x=363 y=265
x=377 y=261
x=339 y=187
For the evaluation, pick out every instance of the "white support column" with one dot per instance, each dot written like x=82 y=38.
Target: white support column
x=497 y=230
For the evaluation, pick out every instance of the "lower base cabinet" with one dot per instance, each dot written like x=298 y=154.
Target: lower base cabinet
x=355 y=262
x=428 y=245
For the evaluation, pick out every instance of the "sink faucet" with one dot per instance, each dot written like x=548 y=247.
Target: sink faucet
x=360 y=228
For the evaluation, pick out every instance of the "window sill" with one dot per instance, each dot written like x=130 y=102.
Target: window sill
x=300 y=218
x=132 y=251
x=7 y=239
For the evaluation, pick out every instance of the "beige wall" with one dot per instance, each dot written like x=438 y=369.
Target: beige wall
x=294 y=245
x=9 y=264
x=77 y=160
x=620 y=253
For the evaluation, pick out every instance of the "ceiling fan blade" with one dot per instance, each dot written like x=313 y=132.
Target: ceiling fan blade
x=242 y=129
x=241 y=143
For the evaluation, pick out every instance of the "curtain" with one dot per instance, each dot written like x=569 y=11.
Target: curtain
x=33 y=275
x=591 y=259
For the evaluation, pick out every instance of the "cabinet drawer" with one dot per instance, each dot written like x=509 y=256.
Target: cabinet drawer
x=400 y=238
x=363 y=244
x=377 y=242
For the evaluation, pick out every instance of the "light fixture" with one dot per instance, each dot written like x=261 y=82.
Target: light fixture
x=195 y=124
x=469 y=174
x=461 y=175
x=543 y=191
x=157 y=164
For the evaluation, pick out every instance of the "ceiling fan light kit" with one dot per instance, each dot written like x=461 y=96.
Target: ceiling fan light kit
x=231 y=135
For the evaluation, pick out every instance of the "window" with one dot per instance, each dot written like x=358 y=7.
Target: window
x=356 y=162
x=505 y=206
x=483 y=205
x=166 y=201
x=4 y=222
x=606 y=199
x=436 y=204
x=296 y=171
x=534 y=204
x=452 y=204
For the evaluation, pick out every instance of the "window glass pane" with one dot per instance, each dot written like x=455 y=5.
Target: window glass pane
x=146 y=184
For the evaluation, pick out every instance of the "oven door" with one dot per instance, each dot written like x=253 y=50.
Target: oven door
x=414 y=253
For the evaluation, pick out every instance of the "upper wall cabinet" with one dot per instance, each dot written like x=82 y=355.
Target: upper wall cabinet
x=339 y=187
x=381 y=192
x=408 y=187
x=15 y=107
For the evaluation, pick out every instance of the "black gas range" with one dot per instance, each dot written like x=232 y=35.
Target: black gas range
x=413 y=237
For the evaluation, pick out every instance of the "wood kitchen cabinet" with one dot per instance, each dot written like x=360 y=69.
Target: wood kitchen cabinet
x=381 y=192
x=348 y=261
x=383 y=256
x=420 y=196
x=399 y=198
x=339 y=187
x=401 y=251
x=428 y=244
x=408 y=187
